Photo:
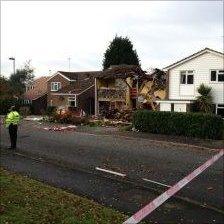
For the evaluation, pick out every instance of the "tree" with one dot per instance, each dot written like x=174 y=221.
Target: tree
x=21 y=78
x=159 y=79
x=204 y=100
x=4 y=88
x=120 y=51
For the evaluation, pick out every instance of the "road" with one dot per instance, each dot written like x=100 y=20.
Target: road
x=135 y=157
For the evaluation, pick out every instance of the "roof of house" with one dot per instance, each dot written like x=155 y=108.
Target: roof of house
x=71 y=76
x=85 y=80
x=40 y=88
x=122 y=71
x=114 y=71
x=74 y=75
x=198 y=53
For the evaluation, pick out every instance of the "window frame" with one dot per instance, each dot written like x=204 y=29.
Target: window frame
x=187 y=73
x=218 y=106
x=74 y=99
x=217 y=75
x=58 y=84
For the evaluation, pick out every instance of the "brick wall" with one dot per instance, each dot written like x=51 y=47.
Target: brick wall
x=64 y=82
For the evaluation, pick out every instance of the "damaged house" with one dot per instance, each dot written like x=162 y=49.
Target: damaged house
x=128 y=87
x=123 y=87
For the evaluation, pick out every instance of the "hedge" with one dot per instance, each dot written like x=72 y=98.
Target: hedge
x=175 y=123
x=5 y=104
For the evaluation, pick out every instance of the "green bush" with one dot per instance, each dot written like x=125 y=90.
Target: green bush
x=5 y=105
x=174 y=123
x=51 y=110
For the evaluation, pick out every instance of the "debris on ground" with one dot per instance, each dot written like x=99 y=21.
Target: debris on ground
x=33 y=118
x=65 y=128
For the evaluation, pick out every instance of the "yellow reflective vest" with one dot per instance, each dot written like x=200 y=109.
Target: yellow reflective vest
x=12 y=118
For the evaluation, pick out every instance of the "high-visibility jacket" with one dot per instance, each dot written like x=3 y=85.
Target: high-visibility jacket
x=12 y=118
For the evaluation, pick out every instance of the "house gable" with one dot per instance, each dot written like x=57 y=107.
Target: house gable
x=57 y=78
x=60 y=74
x=201 y=67
x=192 y=57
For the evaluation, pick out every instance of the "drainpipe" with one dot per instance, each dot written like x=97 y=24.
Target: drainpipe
x=96 y=99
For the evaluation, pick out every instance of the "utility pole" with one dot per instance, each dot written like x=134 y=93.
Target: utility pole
x=14 y=64
x=69 y=60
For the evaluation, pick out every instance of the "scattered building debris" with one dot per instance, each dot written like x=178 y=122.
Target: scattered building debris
x=64 y=128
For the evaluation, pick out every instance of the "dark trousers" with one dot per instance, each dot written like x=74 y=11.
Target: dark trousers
x=13 y=135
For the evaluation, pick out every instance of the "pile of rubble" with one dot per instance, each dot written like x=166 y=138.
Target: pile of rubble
x=115 y=114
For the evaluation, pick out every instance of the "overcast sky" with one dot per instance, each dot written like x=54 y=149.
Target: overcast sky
x=49 y=32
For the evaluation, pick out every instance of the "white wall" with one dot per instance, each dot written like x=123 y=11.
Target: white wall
x=180 y=107
x=201 y=67
x=165 y=106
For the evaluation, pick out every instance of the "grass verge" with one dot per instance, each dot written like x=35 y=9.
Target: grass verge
x=24 y=201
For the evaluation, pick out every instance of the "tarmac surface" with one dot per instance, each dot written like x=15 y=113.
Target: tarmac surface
x=69 y=160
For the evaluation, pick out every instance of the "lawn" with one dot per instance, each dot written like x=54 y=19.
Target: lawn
x=24 y=200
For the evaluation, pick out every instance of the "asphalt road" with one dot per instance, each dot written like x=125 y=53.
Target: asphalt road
x=137 y=158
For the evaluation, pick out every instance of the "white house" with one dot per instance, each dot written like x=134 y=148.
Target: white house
x=186 y=75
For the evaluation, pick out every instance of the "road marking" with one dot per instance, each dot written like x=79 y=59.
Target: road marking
x=142 y=213
x=155 y=182
x=110 y=171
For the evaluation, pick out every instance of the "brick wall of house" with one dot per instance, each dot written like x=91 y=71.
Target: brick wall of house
x=59 y=101
x=64 y=82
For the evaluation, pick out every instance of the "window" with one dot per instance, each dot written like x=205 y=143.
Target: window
x=220 y=110
x=190 y=79
x=221 y=76
x=55 y=86
x=187 y=77
x=183 y=77
x=72 y=101
x=217 y=76
x=213 y=76
x=27 y=102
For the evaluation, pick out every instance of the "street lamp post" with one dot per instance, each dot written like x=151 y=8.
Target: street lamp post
x=69 y=62
x=14 y=64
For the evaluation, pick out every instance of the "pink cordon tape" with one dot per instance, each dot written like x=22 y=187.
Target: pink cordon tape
x=141 y=214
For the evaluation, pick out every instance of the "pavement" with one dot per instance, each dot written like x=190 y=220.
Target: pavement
x=137 y=158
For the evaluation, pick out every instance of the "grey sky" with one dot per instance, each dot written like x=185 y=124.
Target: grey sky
x=50 y=32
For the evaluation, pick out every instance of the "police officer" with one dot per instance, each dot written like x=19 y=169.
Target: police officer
x=11 y=122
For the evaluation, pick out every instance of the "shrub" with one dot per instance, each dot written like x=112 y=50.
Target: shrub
x=5 y=105
x=174 y=123
x=204 y=100
x=51 y=110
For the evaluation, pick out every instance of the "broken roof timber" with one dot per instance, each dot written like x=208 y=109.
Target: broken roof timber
x=123 y=72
